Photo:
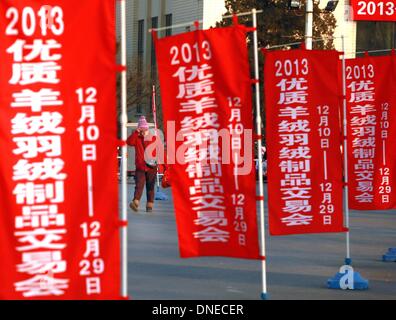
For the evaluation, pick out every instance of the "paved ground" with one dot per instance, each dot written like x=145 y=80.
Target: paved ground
x=298 y=266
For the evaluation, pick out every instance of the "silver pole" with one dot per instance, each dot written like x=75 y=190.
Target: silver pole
x=175 y=26
x=124 y=133
x=260 y=160
x=154 y=110
x=308 y=24
x=346 y=193
x=242 y=14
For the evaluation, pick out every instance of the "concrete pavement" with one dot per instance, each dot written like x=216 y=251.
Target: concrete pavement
x=298 y=266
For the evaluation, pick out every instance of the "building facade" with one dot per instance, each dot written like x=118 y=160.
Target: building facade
x=361 y=35
x=142 y=15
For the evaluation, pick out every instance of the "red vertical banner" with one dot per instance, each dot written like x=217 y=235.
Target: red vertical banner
x=207 y=105
x=59 y=234
x=303 y=142
x=371 y=88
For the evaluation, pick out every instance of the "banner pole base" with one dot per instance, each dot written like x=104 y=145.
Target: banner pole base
x=348 y=261
x=264 y=296
x=159 y=195
x=390 y=256
x=347 y=279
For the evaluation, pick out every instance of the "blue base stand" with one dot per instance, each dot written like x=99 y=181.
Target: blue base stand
x=159 y=195
x=264 y=296
x=347 y=279
x=390 y=255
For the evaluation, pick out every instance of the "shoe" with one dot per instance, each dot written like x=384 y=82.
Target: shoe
x=149 y=206
x=134 y=205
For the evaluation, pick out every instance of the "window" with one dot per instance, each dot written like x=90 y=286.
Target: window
x=375 y=36
x=154 y=25
x=168 y=23
x=140 y=56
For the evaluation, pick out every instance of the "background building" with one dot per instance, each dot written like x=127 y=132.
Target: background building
x=361 y=35
x=143 y=15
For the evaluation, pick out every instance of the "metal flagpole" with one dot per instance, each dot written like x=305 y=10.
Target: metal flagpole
x=346 y=278
x=260 y=160
x=159 y=195
x=124 y=133
x=154 y=107
x=348 y=259
x=308 y=24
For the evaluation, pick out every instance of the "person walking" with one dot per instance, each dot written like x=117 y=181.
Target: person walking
x=146 y=169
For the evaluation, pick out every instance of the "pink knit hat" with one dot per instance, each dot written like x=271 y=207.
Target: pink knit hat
x=142 y=124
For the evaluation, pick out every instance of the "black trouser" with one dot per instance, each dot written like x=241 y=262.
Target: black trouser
x=145 y=178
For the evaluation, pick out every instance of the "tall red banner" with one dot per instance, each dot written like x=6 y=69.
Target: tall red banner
x=371 y=87
x=206 y=94
x=58 y=137
x=303 y=142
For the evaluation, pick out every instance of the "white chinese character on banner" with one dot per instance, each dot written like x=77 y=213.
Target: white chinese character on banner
x=198 y=106
x=296 y=193
x=204 y=121
x=47 y=169
x=42 y=262
x=46 y=122
x=38 y=50
x=294 y=126
x=295 y=153
x=290 y=166
x=206 y=185
x=31 y=73
x=364 y=164
x=195 y=89
x=295 y=180
x=31 y=193
x=92 y=248
x=363 y=109
x=293 y=97
x=196 y=138
x=365 y=186
x=87 y=115
x=360 y=153
x=212 y=234
x=210 y=218
x=40 y=239
x=293 y=112
x=195 y=154
x=297 y=84
x=364 y=175
x=89 y=152
x=235 y=115
x=195 y=73
x=362 y=121
x=42 y=285
x=294 y=138
x=31 y=147
x=199 y=170
x=36 y=100
x=365 y=198
x=294 y=206
x=359 y=142
x=362 y=96
x=362 y=85
x=93 y=286
x=297 y=220
x=208 y=201
x=40 y=221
